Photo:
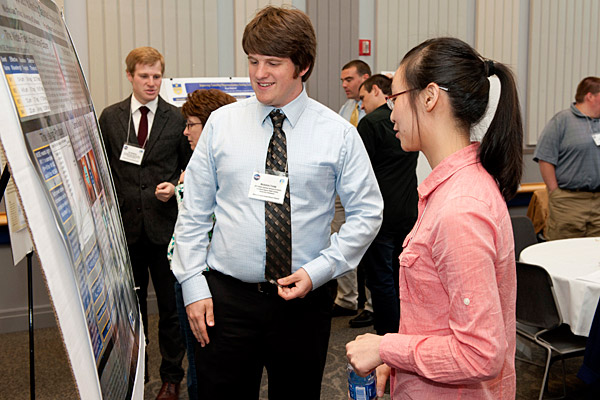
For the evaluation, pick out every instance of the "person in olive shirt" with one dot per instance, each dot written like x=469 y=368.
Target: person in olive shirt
x=396 y=175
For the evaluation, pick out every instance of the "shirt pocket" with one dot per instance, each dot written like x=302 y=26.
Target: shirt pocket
x=420 y=282
x=311 y=184
x=407 y=279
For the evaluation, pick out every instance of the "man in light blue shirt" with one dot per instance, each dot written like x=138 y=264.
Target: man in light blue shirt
x=354 y=73
x=350 y=287
x=242 y=322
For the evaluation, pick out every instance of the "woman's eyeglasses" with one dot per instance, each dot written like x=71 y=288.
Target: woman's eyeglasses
x=190 y=125
x=391 y=99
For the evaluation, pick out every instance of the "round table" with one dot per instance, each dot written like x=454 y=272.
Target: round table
x=574 y=266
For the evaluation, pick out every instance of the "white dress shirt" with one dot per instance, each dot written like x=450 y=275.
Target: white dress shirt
x=348 y=107
x=325 y=156
x=136 y=114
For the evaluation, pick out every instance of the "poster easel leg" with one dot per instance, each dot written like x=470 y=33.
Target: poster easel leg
x=4 y=180
x=31 y=352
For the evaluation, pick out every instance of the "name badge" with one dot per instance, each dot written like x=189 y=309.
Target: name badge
x=596 y=137
x=132 y=154
x=268 y=187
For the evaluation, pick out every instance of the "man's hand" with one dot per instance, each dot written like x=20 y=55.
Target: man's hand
x=548 y=172
x=363 y=353
x=164 y=191
x=303 y=285
x=200 y=314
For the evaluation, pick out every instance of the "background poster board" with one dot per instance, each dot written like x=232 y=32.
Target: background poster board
x=51 y=140
x=20 y=241
x=175 y=90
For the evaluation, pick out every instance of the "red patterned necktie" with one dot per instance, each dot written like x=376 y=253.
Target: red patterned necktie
x=278 y=221
x=143 y=128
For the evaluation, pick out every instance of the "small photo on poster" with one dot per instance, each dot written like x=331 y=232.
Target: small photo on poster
x=95 y=174
x=87 y=178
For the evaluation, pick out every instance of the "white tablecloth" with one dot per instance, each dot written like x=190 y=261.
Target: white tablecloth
x=574 y=265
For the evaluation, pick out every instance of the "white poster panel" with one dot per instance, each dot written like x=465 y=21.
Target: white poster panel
x=175 y=90
x=51 y=139
x=20 y=241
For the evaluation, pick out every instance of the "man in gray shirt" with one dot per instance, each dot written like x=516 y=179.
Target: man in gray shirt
x=569 y=157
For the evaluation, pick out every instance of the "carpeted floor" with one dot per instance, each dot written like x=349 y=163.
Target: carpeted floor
x=54 y=380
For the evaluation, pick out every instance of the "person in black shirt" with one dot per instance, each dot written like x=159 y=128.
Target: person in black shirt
x=395 y=171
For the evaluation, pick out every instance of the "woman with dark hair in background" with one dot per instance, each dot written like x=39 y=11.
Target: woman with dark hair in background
x=196 y=110
x=457 y=271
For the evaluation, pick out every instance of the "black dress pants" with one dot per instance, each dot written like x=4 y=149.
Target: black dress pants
x=255 y=328
x=149 y=259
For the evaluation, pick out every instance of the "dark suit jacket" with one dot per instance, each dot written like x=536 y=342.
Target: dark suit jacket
x=395 y=170
x=167 y=154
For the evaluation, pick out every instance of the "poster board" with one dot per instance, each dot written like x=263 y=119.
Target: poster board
x=52 y=144
x=20 y=241
x=175 y=90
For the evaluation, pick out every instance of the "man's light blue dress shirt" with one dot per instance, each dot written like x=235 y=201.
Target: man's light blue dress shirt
x=348 y=107
x=325 y=155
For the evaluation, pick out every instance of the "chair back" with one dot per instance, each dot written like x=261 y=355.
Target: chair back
x=523 y=233
x=536 y=303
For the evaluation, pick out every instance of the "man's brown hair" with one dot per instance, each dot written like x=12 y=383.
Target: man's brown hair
x=200 y=103
x=282 y=32
x=362 y=68
x=145 y=56
x=591 y=84
x=383 y=83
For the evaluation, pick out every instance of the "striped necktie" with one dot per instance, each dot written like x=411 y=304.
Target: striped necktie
x=278 y=220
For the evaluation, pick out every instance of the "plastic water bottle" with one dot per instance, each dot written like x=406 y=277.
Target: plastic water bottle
x=360 y=388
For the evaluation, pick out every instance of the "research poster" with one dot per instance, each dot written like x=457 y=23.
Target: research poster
x=175 y=90
x=52 y=143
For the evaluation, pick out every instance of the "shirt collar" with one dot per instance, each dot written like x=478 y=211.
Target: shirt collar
x=578 y=112
x=384 y=106
x=448 y=167
x=293 y=110
x=152 y=105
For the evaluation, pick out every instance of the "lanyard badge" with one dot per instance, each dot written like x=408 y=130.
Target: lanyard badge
x=268 y=186
x=132 y=154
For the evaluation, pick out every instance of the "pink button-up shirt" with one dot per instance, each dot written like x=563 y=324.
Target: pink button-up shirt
x=457 y=290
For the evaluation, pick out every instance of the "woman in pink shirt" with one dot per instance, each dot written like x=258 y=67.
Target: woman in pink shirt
x=457 y=272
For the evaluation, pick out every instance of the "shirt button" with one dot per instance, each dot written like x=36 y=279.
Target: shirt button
x=467 y=301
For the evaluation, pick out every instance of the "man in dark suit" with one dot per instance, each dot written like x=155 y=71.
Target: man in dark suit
x=147 y=151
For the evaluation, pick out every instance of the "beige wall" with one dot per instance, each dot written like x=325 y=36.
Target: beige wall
x=564 y=48
x=184 y=31
x=550 y=44
x=336 y=25
x=402 y=24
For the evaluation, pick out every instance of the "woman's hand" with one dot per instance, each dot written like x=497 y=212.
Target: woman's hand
x=363 y=353
x=383 y=374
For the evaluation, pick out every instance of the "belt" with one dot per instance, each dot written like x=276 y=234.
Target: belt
x=582 y=190
x=266 y=288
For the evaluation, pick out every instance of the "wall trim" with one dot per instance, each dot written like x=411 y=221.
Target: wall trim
x=17 y=319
